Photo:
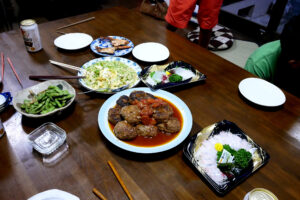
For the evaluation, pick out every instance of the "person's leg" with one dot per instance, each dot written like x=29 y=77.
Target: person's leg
x=179 y=13
x=204 y=37
x=171 y=28
x=208 y=13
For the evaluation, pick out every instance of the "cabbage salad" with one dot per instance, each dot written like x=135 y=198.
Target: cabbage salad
x=109 y=75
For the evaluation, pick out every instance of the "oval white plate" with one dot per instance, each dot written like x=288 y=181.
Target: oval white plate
x=261 y=92
x=151 y=52
x=182 y=107
x=129 y=63
x=24 y=94
x=73 y=41
x=54 y=194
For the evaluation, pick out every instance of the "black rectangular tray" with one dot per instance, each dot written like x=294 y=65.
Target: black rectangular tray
x=145 y=72
x=214 y=130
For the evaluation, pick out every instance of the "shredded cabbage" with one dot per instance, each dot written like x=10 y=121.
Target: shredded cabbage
x=109 y=75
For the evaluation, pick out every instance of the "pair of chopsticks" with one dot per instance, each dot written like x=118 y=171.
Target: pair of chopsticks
x=101 y=196
x=47 y=77
x=65 y=65
x=75 y=23
x=12 y=67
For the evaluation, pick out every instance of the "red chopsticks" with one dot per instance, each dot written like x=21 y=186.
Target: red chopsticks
x=2 y=61
x=12 y=67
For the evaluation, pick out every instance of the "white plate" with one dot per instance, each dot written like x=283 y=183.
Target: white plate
x=129 y=63
x=182 y=107
x=54 y=194
x=73 y=41
x=261 y=92
x=151 y=52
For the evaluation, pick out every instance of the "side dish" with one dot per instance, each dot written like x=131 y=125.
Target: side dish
x=143 y=115
x=46 y=101
x=170 y=75
x=116 y=43
x=109 y=75
x=224 y=155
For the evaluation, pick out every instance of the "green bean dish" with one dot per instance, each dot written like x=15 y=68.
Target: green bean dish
x=47 y=101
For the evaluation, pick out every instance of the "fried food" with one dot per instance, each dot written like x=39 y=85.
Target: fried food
x=108 y=50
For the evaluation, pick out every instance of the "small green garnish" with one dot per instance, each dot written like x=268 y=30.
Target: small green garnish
x=151 y=74
x=241 y=158
x=175 y=78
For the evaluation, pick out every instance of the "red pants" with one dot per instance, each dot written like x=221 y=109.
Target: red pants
x=180 y=12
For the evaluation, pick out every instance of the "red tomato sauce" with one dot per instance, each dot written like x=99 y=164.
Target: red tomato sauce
x=160 y=138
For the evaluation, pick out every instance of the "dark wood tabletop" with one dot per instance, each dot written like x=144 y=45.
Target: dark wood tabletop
x=166 y=175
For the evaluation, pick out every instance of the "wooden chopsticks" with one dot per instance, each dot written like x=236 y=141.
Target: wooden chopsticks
x=119 y=179
x=101 y=196
x=75 y=23
x=98 y=194
x=34 y=77
x=65 y=65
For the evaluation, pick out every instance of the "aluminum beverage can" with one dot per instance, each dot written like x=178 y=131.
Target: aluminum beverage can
x=31 y=35
x=260 y=194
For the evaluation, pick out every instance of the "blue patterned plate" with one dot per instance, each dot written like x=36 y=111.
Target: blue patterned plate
x=5 y=99
x=127 y=62
x=104 y=43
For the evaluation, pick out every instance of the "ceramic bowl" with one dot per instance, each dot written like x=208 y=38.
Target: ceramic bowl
x=21 y=95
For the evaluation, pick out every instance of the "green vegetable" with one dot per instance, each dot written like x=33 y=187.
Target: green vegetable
x=175 y=78
x=242 y=158
x=151 y=74
x=46 y=101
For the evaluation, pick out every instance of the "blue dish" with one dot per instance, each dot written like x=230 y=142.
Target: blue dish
x=104 y=43
x=125 y=61
x=8 y=99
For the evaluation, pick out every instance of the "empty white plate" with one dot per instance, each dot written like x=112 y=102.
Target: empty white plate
x=73 y=41
x=54 y=194
x=261 y=92
x=151 y=52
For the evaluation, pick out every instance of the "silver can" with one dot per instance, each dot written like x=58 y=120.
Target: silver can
x=260 y=194
x=31 y=35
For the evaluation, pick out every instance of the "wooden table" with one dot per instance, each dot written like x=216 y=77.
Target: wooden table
x=160 y=176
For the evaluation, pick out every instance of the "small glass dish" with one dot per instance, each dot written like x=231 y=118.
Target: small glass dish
x=47 y=138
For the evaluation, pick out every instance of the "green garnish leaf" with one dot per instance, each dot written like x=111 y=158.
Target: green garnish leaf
x=175 y=78
x=242 y=158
